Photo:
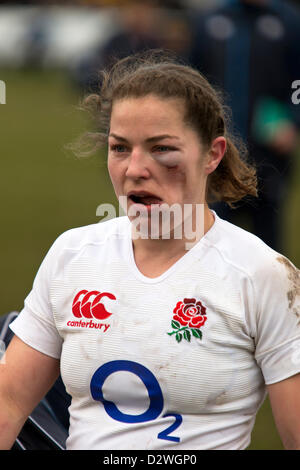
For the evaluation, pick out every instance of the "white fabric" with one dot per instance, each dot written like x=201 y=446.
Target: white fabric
x=211 y=387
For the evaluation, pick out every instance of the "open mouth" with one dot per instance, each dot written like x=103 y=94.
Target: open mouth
x=146 y=199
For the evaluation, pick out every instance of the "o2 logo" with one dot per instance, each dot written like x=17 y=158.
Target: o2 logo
x=88 y=304
x=154 y=392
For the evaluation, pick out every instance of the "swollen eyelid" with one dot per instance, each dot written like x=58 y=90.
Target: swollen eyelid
x=164 y=149
x=168 y=160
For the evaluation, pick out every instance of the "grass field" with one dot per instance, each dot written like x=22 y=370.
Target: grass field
x=45 y=190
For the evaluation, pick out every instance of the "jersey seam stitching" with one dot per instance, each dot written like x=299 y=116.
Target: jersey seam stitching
x=290 y=340
x=209 y=244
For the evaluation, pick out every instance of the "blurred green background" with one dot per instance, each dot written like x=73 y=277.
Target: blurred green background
x=45 y=190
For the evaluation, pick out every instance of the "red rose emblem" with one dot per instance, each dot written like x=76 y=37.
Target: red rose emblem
x=189 y=317
x=191 y=313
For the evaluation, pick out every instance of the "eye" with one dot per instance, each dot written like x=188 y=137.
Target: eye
x=163 y=148
x=118 y=148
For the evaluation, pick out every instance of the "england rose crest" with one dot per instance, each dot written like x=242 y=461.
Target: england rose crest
x=189 y=316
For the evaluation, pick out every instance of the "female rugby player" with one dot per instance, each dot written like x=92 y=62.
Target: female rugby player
x=167 y=335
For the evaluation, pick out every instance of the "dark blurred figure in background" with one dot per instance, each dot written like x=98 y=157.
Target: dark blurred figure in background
x=135 y=33
x=141 y=25
x=250 y=48
x=137 y=25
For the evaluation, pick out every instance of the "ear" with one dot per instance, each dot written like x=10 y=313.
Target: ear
x=215 y=154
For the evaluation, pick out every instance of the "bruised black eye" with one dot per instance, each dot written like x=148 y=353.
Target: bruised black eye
x=164 y=148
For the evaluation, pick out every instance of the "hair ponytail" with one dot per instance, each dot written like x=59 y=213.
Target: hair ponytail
x=234 y=178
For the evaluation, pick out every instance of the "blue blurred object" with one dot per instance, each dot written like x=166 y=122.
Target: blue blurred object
x=250 y=49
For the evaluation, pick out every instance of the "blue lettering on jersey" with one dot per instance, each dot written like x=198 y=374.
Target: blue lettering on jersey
x=153 y=389
x=150 y=382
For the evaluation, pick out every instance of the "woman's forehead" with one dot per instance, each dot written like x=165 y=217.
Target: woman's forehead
x=159 y=114
x=150 y=101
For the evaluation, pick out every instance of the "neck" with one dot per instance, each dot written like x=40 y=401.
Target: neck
x=177 y=241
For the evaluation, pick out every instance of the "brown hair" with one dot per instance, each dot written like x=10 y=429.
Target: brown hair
x=160 y=74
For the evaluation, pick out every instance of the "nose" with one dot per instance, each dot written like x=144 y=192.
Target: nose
x=138 y=164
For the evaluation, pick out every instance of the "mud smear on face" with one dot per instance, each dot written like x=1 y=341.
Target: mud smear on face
x=294 y=278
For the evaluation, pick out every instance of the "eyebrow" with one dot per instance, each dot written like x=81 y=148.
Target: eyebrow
x=150 y=139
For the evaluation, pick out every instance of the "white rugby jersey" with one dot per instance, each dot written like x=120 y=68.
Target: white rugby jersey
x=175 y=362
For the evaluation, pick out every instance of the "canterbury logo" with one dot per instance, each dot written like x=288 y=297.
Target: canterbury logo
x=88 y=304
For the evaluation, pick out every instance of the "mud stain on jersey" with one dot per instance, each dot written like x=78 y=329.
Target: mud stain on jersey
x=294 y=278
x=217 y=398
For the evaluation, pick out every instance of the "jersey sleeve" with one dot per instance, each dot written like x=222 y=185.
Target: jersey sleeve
x=35 y=323
x=277 y=329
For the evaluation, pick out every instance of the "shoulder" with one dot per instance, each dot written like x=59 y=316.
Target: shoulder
x=99 y=233
x=270 y=279
x=97 y=238
x=247 y=253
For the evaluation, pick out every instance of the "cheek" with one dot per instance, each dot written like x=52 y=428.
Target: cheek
x=187 y=174
x=115 y=173
x=109 y=167
x=191 y=181
x=177 y=176
x=172 y=180
x=191 y=171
